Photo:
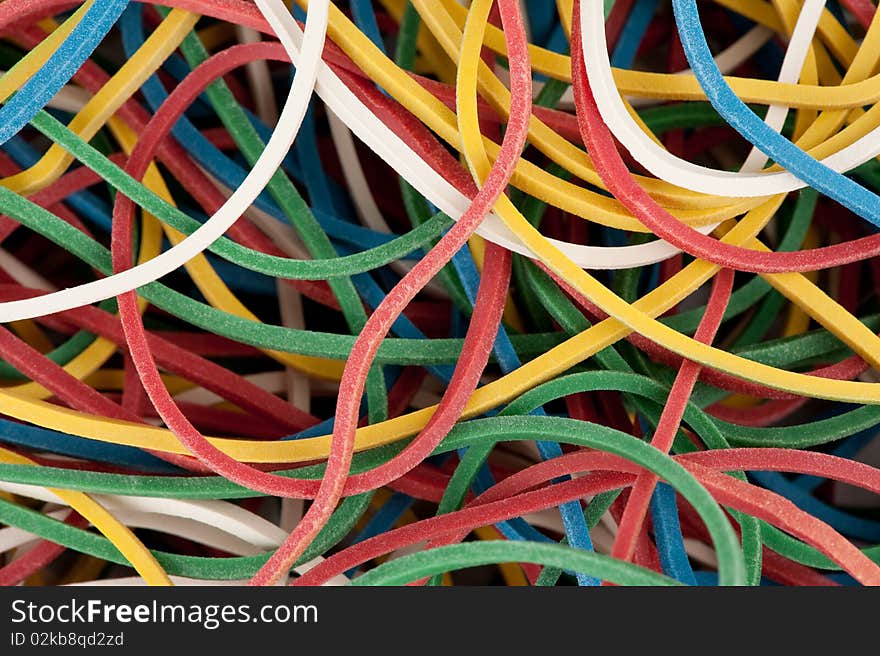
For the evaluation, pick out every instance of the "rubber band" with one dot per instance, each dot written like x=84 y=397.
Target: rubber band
x=207 y=233
x=692 y=177
x=90 y=29
x=376 y=297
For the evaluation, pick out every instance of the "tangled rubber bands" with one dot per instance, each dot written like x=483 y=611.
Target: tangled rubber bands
x=432 y=292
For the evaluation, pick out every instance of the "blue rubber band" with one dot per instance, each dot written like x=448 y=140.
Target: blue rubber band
x=633 y=32
x=845 y=523
x=43 y=439
x=845 y=191
x=365 y=18
x=667 y=535
x=575 y=524
x=79 y=45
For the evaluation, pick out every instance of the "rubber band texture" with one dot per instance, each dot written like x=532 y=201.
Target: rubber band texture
x=503 y=301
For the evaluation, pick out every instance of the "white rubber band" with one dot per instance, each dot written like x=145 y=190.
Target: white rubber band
x=680 y=172
x=271 y=158
x=312 y=73
x=202 y=520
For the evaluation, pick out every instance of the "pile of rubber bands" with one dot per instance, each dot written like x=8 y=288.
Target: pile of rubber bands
x=490 y=292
